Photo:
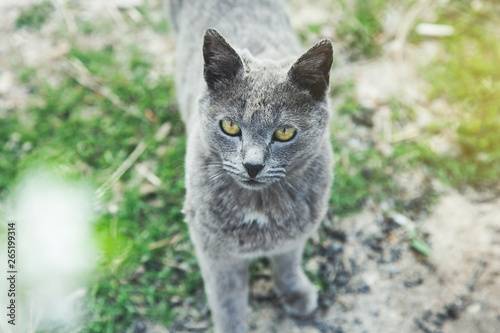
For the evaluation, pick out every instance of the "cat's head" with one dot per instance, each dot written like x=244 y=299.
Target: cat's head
x=264 y=119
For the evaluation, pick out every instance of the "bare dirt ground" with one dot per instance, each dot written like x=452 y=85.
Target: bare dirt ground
x=377 y=282
x=380 y=285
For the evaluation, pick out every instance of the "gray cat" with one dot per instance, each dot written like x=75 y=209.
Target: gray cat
x=259 y=159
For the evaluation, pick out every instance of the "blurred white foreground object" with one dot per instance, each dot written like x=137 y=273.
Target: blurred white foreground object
x=434 y=30
x=55 y=251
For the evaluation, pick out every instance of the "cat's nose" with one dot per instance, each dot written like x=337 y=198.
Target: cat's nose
x=253 y=169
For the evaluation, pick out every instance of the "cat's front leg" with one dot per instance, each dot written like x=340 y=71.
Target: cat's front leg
x=226 y=286
x=299 y=295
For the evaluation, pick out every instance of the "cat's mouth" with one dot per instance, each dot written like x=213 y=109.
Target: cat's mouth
x=252 y=183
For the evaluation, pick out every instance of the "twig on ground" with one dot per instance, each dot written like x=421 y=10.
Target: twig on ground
x=67 y=15
x=160 y=134
x=144 y=171
x=79 y=72
x=164 y=242
x=408 y=20
x=112 y=9
x=141 y=147
x=408 y=133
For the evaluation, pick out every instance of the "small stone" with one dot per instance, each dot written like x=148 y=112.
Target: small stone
x=367 y=173
x=309 y=329
x=399 y=219
x=474 y=308
x=413 y=283
x=434 y=30
x=262 y=288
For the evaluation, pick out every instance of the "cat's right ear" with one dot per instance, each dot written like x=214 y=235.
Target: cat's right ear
x=222 y=63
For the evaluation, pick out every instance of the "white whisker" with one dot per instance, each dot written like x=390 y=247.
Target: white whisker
x=275 y=175
x=230 y=167
x=286 y=182
x=234 y=172
x=285 y=194
x=221 y=183
x=209 y=167
x=215 y=176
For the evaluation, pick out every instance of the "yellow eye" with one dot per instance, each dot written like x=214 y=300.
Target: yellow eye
x=284 y=134
x=230 y=128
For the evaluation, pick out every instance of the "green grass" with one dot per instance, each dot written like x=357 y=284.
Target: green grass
x=360 y=173
x=82 y=134
x=35 y=15
x=120 y=296
x=361 y=26
x=135 y=280
x=358 y=176
x=468 y=77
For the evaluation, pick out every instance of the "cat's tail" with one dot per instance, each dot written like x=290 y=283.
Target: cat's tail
x=173 y=8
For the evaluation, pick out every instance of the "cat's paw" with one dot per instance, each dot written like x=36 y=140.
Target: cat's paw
x=302 y=303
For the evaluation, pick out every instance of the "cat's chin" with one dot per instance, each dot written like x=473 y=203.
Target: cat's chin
x=253 y=184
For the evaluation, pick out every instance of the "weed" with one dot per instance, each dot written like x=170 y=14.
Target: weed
x=362 y=26
x=420 y=245
x=358 y=176
x=315 y=28
x=35 y=15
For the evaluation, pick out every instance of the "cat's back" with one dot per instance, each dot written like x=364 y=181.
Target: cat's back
x=260 y=26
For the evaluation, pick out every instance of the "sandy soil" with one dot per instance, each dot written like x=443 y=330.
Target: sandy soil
x=381 y=285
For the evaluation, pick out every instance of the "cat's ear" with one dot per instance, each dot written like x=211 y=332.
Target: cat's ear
x=222 y=63
x=312 y=71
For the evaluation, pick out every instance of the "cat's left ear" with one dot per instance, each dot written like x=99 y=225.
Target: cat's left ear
x=222 y=63
x=312 y=71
